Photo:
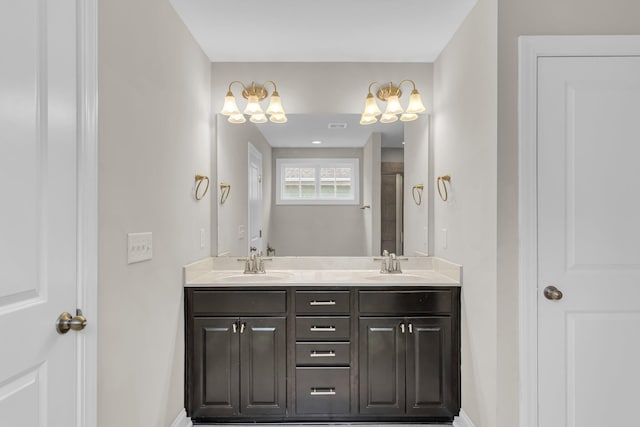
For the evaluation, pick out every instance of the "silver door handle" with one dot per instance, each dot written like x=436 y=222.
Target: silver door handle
x=410 y=328
x=322 y=329
x=234 y=326
x=402 y=327
x=329 y=353
x=552 y=293
x=326 y=391
x=242 y=326
x=330 y=302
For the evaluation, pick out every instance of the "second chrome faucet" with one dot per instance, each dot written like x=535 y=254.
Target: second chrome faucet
x=390 y=263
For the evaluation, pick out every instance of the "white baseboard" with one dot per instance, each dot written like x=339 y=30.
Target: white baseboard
x=182 y=420
x=462 y=420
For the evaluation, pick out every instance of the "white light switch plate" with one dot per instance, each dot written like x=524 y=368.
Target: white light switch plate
x=139 y=247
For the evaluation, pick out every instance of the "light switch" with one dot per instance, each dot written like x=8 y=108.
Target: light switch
x=240 y=232
x=139 y=247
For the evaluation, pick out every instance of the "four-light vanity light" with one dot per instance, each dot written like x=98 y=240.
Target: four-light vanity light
x=391 y=94
x=254 y=94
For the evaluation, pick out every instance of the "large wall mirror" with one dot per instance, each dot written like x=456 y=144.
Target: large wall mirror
x=322 y=185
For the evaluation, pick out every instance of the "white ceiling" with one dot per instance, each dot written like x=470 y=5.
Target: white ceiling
x=301 y=129
x=323 y=31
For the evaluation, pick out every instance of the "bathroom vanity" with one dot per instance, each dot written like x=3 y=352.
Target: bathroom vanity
x=319 y=344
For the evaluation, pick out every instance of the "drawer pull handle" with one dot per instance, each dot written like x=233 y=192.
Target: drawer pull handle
x=329 y=353
x=322 y=329
x=329 y=391
x=330 y=302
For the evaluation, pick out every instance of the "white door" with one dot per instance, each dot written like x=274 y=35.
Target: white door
x=255 y=200
x=37 y=212
x=588 y=241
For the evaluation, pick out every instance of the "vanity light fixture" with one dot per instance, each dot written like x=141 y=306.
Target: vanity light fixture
x=254 y=94
x=391 y=94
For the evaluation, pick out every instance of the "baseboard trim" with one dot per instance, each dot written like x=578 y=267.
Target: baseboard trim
x=462 y=420
x=182 y=420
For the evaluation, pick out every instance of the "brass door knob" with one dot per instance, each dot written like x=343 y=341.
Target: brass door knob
x=66 y=321
x=552 y=293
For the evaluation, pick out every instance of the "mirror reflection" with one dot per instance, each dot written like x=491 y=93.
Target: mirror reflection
x=322 y=185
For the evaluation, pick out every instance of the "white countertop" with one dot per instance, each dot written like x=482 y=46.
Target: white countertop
x=314 y=271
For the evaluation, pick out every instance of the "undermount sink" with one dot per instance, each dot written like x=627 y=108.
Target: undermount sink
x=253 y=278
x=399 y=277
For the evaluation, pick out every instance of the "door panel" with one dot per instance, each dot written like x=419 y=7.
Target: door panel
x=382 y=366
x=429 y=370
x=588 y=237
x=38 y=227
x=264 y=365
x=216 y=378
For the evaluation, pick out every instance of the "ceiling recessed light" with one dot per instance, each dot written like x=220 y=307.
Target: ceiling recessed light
x=316 y=142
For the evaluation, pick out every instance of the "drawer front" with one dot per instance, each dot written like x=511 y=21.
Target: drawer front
x=328 y=328
x=322 y=302
x=405 y=302
x=323 y=391
x=206 y=302
x=323 y=354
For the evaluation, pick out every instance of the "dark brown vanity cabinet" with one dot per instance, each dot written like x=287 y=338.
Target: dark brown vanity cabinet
x=409 y=365
x=322 y=354
x=237 y=365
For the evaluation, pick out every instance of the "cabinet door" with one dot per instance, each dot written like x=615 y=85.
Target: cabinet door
x=382 y=365
x=430 y=377
x=263 y=349
x=215 y=374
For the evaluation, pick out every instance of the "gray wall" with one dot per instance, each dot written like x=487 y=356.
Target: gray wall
x=305 y=230
x=465 y=144
x=154 y=136
x=516 y=18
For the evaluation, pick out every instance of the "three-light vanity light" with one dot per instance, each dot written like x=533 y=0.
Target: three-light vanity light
x=254 y=94
x=391 y=94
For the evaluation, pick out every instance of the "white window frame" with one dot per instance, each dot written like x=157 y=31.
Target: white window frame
x=316 y=163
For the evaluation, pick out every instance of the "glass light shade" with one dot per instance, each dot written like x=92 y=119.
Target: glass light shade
x=371 y=107
x=388 y=118
x=258 y=118
x=278 y=118
x=415 y=103
x=393 y=105
x=408 y=117
x=275 y=104
x=253 y=106
x=367 y=120
x=237 y=118
x=230 y=107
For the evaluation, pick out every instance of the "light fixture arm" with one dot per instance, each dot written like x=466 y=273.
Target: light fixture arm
x=371 y=85
x=407 y=80
x=236 y=81
x=275 y=88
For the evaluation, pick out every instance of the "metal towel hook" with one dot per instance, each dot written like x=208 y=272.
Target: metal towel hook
x=444 y=179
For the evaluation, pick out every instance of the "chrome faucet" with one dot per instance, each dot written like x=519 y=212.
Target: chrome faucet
x=390 y=263
x=254 y=264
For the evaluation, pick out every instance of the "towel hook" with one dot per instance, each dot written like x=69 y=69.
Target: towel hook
x=444 y=179
x=200 y=179
x=225 y=190
x=416 y=192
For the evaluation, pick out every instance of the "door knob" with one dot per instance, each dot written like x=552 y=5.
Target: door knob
x=66 y=321
x=552 y=293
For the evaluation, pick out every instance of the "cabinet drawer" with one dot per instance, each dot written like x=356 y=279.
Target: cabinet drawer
x=323 y=353
x=322 y=391
x=435 y=301
x=322 y=302
x=328 y=328
x=206 y=302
